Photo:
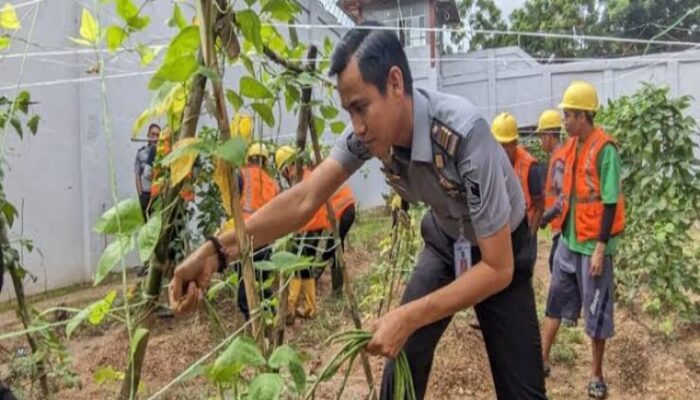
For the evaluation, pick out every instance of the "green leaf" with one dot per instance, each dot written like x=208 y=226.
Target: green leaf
x=240 y=353
x=265 y=112
x=185 y=43
x=306 y=79
x=265 y=387
x=286 y=356
x=148 y=236
x=327 y=46
x=146 y=54
x=284 y=261
x=250 y=27
x=100 y=308
x=179 y=70
x=279 y=10
x=140 y=335
x=247 y=63
x=128 y=11
x=115 y=37
x=116 y=250
x=10 y=213
x=233 y=151
x=107 y=374
x=126 y=213
x=199 y=147
x=320 y=125
x=291 y=96
x=254 y=89
x=209 y=73
x=4 y=42
x=8 y=18
x=329 y=112
x=15 y=122
x=177 y=19
x=102 y=304
x=22 y=101
x=81 y=42
x=337 y=127
x=89 y=28
x=235 y=100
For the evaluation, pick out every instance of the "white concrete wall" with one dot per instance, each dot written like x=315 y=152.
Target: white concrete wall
x=62 y=175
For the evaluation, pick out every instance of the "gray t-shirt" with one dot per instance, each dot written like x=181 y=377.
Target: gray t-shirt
x=143 y=167
x=494 y=195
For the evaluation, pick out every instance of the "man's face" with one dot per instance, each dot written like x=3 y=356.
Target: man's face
x=510 y=149
x=153 y=134
x=574 y=122
x=375 y=117
x=547 y=141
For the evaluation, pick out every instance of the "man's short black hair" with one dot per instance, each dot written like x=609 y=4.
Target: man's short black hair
x=151 y=126
x=590 y=115
x=377 y=50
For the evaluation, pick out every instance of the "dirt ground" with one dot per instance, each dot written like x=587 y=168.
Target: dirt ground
x=639 y=364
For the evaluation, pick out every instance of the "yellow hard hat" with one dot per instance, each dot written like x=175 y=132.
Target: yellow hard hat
x=256 y=149
x=283 y=155
x=550 y=119
x=580 y=95
x=242 y=126
x=505 y=128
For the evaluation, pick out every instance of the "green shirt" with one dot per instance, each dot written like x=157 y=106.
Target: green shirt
x=609 y=172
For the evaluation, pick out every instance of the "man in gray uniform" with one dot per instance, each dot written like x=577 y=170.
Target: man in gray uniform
x=436 y=149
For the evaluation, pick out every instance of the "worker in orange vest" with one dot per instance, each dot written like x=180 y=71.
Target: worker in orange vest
x=549 y=131
x=258 y=188
x=593 y=212
x=505 y=130
x=343 y=204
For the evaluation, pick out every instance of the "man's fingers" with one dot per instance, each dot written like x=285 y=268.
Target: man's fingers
x=190 y=299
x=175 y=292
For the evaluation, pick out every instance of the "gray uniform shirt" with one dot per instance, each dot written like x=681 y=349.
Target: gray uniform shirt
x=144 y=168
x=494 y=193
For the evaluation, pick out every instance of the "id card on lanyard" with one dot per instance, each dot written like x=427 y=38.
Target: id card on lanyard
x=462 y=253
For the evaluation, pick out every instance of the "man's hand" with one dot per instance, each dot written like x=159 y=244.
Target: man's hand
x=191 y=278
x=597 y=259
x=390 y=333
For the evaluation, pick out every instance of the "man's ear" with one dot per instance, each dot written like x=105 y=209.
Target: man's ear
x=394 y=82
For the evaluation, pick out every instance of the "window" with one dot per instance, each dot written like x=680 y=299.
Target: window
x=410 y=29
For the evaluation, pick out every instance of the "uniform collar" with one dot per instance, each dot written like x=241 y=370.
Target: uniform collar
x=421 y=147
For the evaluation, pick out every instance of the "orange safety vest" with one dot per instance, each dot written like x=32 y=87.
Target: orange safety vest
x=550 y=195
x=319 y=221
x=258 y=189
x=523 y=162
x=341 y=200
x=581 y=175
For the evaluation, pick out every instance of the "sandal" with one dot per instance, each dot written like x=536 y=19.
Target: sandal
x=597 y=390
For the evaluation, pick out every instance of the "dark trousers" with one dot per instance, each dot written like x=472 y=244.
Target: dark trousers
x=508 y=319
x=347 y=219
x=145 y=199
x=555 y=243
x=260 y=277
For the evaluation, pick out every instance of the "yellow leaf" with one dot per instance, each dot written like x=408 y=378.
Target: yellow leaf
x=141 y=121
x=221 y=180
x=178 y=100
x=89 y=29
x=8 y=17
x=181 y=166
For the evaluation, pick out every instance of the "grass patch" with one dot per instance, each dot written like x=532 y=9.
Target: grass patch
x=564 y=350
x=370 y=227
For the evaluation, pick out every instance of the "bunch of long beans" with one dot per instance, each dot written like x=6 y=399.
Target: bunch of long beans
x=353 y=342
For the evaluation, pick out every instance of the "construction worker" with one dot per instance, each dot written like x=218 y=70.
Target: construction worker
x=343 y=204
x=435 y=148
x=549 y=131
x=505 y=130
x=143 y=168
x=593 y=217
x=258 y=189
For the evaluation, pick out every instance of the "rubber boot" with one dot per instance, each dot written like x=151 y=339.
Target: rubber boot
x=309 y=295
x=294 y=291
